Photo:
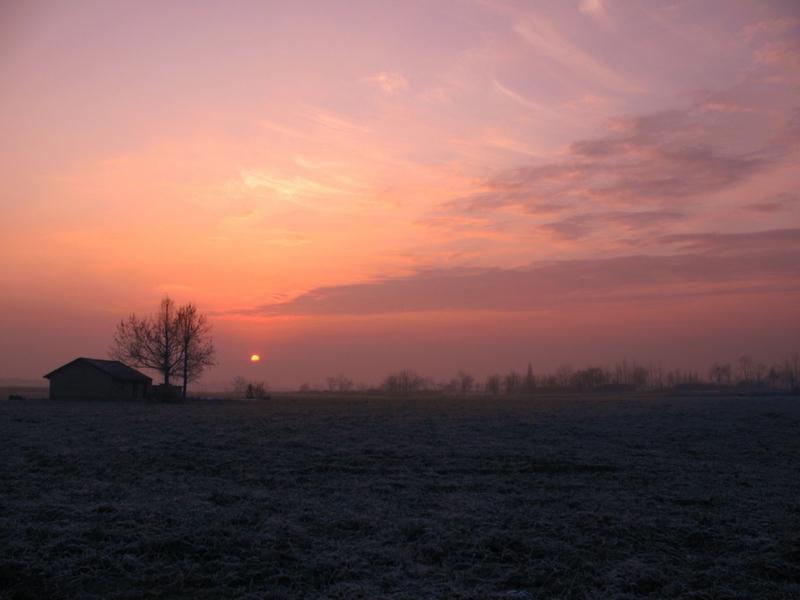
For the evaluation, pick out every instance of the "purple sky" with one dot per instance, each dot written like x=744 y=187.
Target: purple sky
x=361 y=187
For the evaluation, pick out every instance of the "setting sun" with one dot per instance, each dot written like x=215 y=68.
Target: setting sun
x=255 y=358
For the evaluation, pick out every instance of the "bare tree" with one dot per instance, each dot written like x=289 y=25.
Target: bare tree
x=173 y=341
x=410 y=382
x=451 y=387
x=657 y=373
x=630 y=372
x=590 y=378
x=640 y=376
x=196 y=345
x=718 y=372
x=774 y=376
x=404 y=382
x=622 y=371
x=257 y=390
x=513 y=383
x=760 y=370
x=493 y=384
x=465 y=381
x=564 y=375
x=344 y=383
x=390 y=384
x=331 y=383
x=791 y=368
x=529 y=383
x=340 y=383
x=745 y=367
x=239 y=385
x=150 y=342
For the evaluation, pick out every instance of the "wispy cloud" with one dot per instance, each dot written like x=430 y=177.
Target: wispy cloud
x=542 y=35
x=390 y=83
x=778 y=204
x=338 y=123
x=517 y=98
x=322 y=194
x=292 y=187
x=283 y=130
x=773 y=243
x=593 y=8
x=578 y=226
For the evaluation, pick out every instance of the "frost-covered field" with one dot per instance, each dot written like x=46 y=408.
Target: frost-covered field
x=401 y=498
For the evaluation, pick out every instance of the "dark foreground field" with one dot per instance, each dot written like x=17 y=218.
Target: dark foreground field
x=388 y=498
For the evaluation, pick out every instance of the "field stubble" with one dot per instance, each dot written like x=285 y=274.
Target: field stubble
x=345 y=497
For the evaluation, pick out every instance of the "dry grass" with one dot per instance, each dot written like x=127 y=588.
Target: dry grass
x=389 y=498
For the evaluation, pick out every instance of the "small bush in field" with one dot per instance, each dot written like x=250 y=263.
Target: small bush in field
x=251 y=390
x=257 y=390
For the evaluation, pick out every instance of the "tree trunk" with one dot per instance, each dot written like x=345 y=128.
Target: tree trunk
x=185 y=372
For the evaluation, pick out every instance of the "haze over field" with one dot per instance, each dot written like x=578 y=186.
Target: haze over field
x=359 y=187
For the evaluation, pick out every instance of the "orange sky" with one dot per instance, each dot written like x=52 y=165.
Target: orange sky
x=361 y=187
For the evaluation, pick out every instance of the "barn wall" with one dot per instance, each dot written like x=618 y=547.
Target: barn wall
x=122 y=389
x=81 y=381
x=125 y=389
x=137 y=389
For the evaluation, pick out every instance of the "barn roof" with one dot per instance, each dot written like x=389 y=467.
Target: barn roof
x=114 y=368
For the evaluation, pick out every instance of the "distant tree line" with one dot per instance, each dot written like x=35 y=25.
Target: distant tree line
x=747 y=372
x=339 y=383
x=625 y=375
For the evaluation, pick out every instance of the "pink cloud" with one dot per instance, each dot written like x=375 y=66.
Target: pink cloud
x=705 y=265
x=780 y=203
x=656 y=159
x=390 y=83
x=576 y=226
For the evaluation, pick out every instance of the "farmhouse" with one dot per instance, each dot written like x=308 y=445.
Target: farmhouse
x=98 y=379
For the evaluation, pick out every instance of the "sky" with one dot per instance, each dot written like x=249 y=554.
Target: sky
x=360 y=187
